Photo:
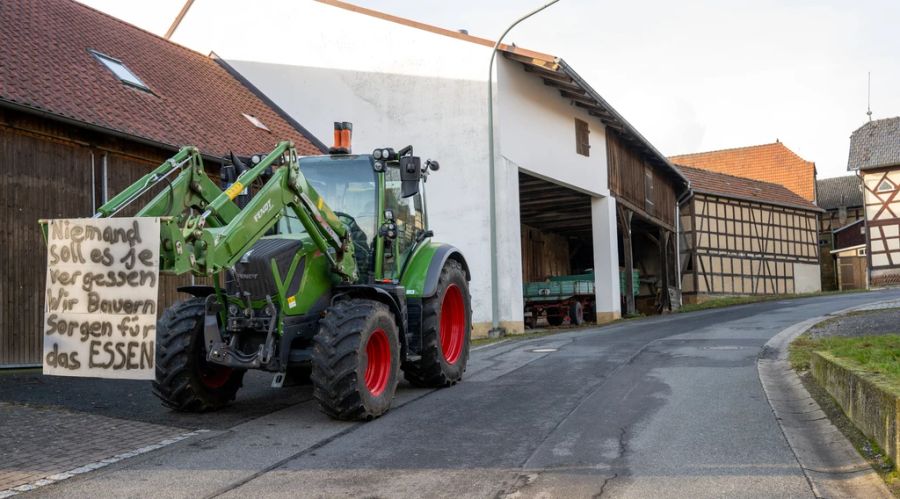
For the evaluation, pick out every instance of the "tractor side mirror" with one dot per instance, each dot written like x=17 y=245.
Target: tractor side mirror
x=410 y=172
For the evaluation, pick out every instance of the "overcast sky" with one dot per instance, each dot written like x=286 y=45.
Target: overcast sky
x=690 y=75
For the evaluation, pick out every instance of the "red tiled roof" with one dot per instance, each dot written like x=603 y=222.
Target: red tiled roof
x=45 y=64
x=721 y=184
x=768 y=162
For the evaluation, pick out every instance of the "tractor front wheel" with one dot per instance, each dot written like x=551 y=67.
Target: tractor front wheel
x=446 y=331
x=185 y=381
x=356 y=360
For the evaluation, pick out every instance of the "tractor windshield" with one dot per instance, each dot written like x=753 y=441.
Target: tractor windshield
x=348 y=186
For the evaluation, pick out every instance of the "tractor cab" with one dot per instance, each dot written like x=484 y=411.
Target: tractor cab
x=380 y=199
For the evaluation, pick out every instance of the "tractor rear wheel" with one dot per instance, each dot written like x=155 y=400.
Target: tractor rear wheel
x=446 y=331
x=356 y=360
x=185 y=381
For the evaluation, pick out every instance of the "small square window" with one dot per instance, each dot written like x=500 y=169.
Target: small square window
x=121 y=71
x=582 y=140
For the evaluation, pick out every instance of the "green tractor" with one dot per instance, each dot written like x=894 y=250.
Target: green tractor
x=344 y=294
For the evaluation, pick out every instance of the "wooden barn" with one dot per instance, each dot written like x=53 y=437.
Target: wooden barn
x=647 y=190
x=875 y=155
x=842 y=200
x=88 y=104
x=746 y=237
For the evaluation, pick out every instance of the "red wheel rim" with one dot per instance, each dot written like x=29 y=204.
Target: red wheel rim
x=453 y=324
x=378 y=366
x=213 y=376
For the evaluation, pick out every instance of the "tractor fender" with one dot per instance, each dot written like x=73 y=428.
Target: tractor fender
x=198 y=291
x=373 y=293
x=420 y=278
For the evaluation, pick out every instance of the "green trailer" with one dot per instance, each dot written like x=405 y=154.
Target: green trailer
x=566 y=297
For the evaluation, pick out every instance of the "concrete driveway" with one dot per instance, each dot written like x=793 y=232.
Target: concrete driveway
x=661 y=407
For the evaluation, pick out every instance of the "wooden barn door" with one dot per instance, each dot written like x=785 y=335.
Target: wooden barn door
x=852 y=272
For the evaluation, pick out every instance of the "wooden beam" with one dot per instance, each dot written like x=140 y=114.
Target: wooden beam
x=599 y=112
x=546 y=73
x=560 y=220
x=625 y=222
x=552 y=82
x=664 y=299
x=555 y=201
x=608 y=122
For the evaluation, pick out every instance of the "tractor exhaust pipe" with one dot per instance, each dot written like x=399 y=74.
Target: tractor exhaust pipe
x=343 y=137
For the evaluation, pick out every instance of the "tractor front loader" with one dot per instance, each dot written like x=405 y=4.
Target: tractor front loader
x=344 y=293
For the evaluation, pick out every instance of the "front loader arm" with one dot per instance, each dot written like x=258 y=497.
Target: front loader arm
x=214 y=239
x=222 y=247
x=216 y=248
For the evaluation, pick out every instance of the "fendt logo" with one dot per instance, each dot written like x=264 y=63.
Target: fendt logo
x=262 y=211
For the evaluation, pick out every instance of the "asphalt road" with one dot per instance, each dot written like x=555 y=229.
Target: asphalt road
x=661 y=407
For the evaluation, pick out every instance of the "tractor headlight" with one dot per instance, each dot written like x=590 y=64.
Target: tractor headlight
x=255 y=159
x=378 y=166
x=233 y=310
x=377 y=153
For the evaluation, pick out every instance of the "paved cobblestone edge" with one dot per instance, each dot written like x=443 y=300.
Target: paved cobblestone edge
x=58 y=477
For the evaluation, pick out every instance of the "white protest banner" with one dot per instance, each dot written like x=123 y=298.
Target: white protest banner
x=101 y=297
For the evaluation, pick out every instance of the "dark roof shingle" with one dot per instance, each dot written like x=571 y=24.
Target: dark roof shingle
x=875 y=144
x=839 y=191
x=46 y=65
x=722 y=184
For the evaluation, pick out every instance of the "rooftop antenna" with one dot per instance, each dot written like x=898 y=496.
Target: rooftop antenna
x=869 y=111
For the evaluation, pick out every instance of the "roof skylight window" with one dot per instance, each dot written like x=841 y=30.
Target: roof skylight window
x=121 y=71
x=256 y=122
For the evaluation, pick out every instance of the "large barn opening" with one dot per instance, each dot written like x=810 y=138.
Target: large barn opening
x=652 y=260
x=557 y=253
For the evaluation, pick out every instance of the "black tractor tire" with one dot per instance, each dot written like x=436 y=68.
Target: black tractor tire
x=356 y=360
x=446 y=332
x=297 y=375
x=555 y=320
x=185 y=381
x=576 y=313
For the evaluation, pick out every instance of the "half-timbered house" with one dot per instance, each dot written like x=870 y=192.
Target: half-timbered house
x=89 y=104
x=746 y=237
x=875 y=155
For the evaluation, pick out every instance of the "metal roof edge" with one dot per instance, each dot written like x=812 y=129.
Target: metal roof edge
x=851 y=224
x=569 y=71
x=848 y=248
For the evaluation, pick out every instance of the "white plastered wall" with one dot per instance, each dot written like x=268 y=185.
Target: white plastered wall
x=807 y=278
x=536 y=134
x=400 y=85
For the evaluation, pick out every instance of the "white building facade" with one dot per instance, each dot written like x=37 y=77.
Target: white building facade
x=402 y=83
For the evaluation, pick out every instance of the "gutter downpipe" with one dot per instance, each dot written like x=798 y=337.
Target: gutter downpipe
x=496 y=330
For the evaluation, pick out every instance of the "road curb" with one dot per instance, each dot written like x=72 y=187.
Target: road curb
x=829 y=461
